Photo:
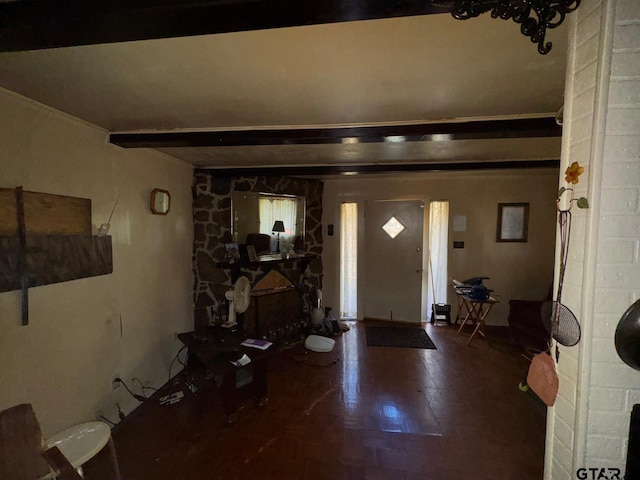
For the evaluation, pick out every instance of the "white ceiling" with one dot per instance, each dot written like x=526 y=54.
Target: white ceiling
x=412 y=69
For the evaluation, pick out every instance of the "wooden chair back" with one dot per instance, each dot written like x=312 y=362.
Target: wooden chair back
x=23 y=455
x=21 y=445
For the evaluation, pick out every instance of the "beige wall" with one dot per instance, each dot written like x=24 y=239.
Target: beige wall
x=81 y=333
x=516 y=270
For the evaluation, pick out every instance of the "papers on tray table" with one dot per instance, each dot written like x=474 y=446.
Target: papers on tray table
x=242 y=361
x=172 y=398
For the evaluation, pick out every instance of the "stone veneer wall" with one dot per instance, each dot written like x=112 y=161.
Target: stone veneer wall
x=212 y=229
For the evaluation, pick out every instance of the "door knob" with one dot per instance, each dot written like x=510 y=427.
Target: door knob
x=418 y=270
x=418 y=249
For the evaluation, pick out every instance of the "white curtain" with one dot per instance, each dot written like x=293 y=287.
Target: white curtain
x=438 y=239
x=349 y=260
x=278 y=208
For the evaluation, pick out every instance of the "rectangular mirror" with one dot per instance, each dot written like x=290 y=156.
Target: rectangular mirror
x=253 y=217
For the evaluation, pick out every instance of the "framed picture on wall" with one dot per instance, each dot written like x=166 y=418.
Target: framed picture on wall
x=513 y=222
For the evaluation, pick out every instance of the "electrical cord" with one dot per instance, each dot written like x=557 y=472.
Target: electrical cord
x=179 y=361
x=107 y=420
x=140 y=398
x=121 y=414
x=143 y=387
x=136 y=380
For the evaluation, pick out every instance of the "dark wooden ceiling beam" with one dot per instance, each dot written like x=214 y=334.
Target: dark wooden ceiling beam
x=39 y=24
x=473 y=130
x=318 y=171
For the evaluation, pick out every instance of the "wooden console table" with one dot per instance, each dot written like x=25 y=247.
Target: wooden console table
x=214 y=348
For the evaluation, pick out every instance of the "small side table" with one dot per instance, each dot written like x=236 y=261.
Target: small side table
x=477 y=312
x=82 y=442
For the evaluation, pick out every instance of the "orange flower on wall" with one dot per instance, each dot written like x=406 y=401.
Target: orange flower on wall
x=573 y=173
x=572 y=177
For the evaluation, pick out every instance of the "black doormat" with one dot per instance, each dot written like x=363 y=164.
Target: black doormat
x=411 y=337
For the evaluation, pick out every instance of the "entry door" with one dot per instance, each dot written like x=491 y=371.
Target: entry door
x=393 y=260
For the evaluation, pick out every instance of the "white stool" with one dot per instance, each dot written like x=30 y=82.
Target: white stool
x=82 y=442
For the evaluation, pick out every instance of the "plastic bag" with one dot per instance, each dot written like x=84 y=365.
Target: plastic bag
x=543 y=379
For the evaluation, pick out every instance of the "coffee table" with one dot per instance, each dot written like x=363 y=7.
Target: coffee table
x=214 y=348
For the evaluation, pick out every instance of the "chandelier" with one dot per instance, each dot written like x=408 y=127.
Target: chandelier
x=534 y=16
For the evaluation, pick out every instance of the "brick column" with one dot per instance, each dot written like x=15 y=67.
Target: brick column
x=588 y=427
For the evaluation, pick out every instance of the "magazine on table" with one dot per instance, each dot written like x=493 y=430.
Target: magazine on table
x=256 y=343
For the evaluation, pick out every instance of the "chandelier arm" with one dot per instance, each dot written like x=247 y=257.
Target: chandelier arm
x=534 y=16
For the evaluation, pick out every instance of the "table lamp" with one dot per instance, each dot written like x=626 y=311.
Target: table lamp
x=278 y=227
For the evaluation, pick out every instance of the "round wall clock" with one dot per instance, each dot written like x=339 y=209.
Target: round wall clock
x=160 y=201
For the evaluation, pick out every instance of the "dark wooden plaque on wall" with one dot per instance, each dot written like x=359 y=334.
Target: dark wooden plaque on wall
x=54 y=259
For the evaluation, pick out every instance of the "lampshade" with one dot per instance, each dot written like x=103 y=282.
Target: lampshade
x=278 y=226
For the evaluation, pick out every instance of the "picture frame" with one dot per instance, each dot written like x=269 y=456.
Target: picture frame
x=251 y=252
x=513 y=222
x=233 y=252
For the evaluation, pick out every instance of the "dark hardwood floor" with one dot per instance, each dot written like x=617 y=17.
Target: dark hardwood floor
x=376 y=413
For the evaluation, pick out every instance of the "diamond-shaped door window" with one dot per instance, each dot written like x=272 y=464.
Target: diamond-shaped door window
x=393 y=227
